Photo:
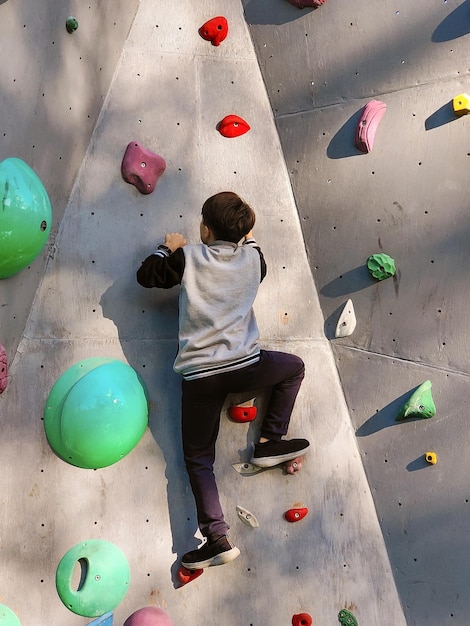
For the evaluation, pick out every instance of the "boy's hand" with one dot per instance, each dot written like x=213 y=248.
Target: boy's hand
x=175 y=241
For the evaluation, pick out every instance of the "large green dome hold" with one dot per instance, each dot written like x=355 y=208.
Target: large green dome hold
x=7 y=617
x=25 y=216
x=104 y=578
x=96 y=413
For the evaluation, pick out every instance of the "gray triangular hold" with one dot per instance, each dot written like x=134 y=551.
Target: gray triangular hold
x=347 y=321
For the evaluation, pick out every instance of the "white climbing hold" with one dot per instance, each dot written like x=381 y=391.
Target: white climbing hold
x=347 y=321
x=246 y=517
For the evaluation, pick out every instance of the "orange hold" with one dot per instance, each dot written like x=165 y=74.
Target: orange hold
x=215 y=30
x=302 y=619
x=295 y=515
x=186 y=575
x=242 y=414
x=233 y=126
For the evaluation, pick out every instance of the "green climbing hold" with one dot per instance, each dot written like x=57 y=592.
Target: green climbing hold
x=346 y=618
x=7 y=617
x=25 y=216
x=420 y=403
x=381 y=266
x=96 y=413
x=104 y=578
x=71 y=24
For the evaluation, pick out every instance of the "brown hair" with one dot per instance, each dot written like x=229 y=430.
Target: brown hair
x=228 y=216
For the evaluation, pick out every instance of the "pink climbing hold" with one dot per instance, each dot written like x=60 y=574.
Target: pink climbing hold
x=295 y=515
x=302 y=619
x=148 y=616
x=303 y=4
x=141 y=167
x=3 y=369
x=233 y=126
x=215 y=30
x=368 y=123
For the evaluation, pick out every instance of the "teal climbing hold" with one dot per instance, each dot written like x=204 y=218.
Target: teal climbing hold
x=346 y=618
x=7 y=617
x=71 y=24
x=381 y=266
x=25 y=216
x=420 y=404
x=96 y=413
x=104 y=580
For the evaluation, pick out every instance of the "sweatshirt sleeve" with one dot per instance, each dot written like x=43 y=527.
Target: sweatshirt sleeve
x=252 y=243
x=161 y=269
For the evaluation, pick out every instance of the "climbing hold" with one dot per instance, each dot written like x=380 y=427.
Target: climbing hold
x=232 y=126
x=186 y=575
x=461 y=104
x=368 y=123
x=245 y=412
x=25 y=218
x=141 y=167
x=96 y=413
x=302 y=619
x=7 y=617
x=104 y=579
x=149 y=616
x=347 y=321
x=246 y=517
x=71 y=24
x=247 y=469
x=303 y=4
x=105 y=620
x=3 y=369
x=420 y=404
x=215 y=30
x=431 y=457
x=294 y=465
x=295 y=515
x=346 y=618
x=381 y=266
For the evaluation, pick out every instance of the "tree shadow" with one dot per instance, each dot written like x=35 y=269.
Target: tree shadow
x=274 y=12
x=455 y=25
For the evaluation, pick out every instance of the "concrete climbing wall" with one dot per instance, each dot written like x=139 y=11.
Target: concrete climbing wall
x=169 y=93
x=52 y=87
x=408 y=198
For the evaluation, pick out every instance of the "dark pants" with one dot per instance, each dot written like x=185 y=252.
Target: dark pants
x=202 y=402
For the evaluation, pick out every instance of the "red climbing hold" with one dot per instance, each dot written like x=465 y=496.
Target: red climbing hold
x=368 y=123
x=242 y=413
x=302 y=619
x=303 y=4
x=3 y=369
x=186 y=575
x=294 y=515
x=215 y=30
x=141 y=167
x=233 y=126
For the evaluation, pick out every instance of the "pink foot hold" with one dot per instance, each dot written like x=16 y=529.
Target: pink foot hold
x=293 y=466
x=148 y=616
x=303 y=4
x=141 y=167
x=366 y=128
x=186 y=575
x=3 y=369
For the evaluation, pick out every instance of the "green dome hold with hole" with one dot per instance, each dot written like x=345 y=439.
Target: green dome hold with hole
x=96 y=413
x=7 y=617
x=103 y=582
x=25 y=216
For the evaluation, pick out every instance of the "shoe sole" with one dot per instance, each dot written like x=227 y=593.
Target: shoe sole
x=272 y=461
x=218 y=559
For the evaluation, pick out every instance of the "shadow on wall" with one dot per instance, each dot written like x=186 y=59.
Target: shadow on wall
x=272 y=11
x=455 y=25
x=147 y=324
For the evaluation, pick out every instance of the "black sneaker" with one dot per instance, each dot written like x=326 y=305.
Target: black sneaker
x=273 y=453
x=212 y=553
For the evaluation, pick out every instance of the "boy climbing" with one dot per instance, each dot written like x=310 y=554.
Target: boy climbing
x=218 y=353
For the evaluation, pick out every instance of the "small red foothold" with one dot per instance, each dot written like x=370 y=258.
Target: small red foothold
x=242 y=413
x=294 y=515
x=141 y=167
x=186 y=575
x=3 y=369
x=302 y=619
x=215 y=30
x=303 y=4
x=233 y=126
